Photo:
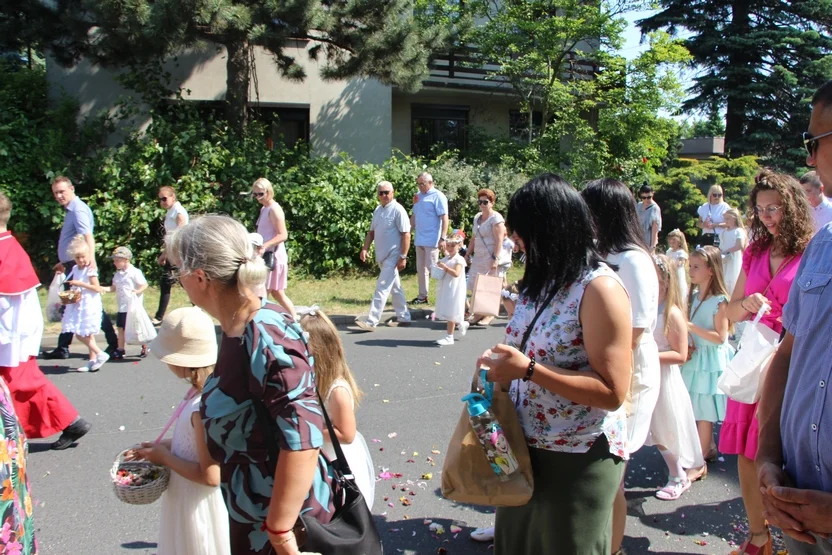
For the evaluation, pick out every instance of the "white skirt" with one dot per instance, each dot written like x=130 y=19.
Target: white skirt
x=21 y=327
x=673 y=425
x=194 y=520
x=645 y=385
x=361 y=463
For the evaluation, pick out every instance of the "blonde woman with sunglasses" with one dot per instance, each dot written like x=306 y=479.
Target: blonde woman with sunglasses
x=711 y=217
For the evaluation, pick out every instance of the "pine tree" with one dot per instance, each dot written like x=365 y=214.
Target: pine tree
x=373 y=38
x=760 y=60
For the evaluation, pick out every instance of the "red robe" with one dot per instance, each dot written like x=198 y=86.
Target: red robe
x=41 y=407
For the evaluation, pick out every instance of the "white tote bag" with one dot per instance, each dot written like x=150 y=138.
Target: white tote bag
x=138 y=330
x=745 y=375
x=53 y=299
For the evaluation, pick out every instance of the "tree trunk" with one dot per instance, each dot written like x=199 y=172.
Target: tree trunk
x=739 y=78
x=238 y=68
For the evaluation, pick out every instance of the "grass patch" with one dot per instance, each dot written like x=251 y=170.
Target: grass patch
x=336 y=295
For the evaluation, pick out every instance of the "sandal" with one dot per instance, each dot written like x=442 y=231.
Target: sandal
x=748 y=548
x=697 y=474
x=674 y=489
x=712 y=454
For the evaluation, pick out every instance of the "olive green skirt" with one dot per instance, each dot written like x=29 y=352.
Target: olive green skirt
x=570 y=511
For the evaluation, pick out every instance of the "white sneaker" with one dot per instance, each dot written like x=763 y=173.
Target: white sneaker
x=364 y=325
x=463 y=328
x=483 y=534
x=99 y=361
x=445 y=341
x=86 y=367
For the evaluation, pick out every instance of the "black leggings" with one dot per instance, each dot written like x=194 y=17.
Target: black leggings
x=165 y=285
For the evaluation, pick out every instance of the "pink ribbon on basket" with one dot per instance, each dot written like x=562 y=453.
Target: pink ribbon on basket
x=188 y=396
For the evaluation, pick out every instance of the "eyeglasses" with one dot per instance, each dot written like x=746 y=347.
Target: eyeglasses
x=384 y=193
x=647 y=197
x=258 y=195
x=483 y=202
x=811 y=142
x=770 y=210
x=163 y=199
x=717 y=195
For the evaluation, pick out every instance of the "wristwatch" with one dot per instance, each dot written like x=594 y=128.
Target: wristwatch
x=403 y=256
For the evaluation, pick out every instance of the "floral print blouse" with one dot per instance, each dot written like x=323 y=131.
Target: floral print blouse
x=550 y=421
x=17 y=534
x=266 y=374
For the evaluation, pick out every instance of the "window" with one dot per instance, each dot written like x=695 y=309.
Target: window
x=518 y=125
x=438 y=125
x=289 y=125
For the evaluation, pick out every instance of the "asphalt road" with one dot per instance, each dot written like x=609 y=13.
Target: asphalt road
x=413 y=389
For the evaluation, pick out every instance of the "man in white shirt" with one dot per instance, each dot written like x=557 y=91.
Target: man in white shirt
x=821 y=207
x=390 y=229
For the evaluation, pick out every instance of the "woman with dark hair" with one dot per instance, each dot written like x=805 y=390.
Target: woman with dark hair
x=620 y=242
x=780 y=230
x=566 y=358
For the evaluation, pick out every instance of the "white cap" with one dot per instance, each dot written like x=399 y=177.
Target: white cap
x=255 y=239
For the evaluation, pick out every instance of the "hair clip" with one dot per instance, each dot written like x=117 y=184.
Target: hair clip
x=660 y=263
x=308 y=310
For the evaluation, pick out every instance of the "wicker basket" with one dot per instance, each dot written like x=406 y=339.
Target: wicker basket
x=139 y=495
x=70 y=297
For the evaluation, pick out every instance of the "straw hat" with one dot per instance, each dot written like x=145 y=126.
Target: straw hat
x=186 y=338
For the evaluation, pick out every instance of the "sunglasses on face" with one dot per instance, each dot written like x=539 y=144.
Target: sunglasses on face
x=717 y=195
x=811 y=142
x=384 y=193
x=483 y=202
x=646 y=197
x=258 y=195
x=163 y=199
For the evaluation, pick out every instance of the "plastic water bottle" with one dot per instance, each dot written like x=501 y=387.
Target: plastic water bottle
x=490 y=434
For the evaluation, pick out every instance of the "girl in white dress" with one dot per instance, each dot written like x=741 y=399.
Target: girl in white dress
x=732 y=246
x=678 y=255
x=84 y=317
x=194 y=519
x=673 y=428
x=341 y=394
x=450 y=292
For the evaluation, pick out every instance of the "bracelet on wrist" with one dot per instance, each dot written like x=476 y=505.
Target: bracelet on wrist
x=265 y=528
x=530 y=369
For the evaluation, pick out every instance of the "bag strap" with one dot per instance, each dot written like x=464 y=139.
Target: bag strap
x=479 y=220
x=527 y=333
x=779 y=269
x=190 y=395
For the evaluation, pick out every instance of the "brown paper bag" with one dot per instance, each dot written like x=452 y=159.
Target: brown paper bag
x=486 y=295
x=467 y=476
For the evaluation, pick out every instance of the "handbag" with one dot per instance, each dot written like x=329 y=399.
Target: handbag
x=486 y=295
x=268 y=259
x=743 y=378
x=351 y=530
x=467 y=475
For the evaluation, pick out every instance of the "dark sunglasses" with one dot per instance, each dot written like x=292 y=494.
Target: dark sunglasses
x=163 y=199
x=483 y=202
x=811 y=142
x=647 y=197
x=717 y=195
x=384 y=193
x=258 y=195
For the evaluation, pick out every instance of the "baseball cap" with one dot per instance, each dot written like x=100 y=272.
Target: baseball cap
x=122 y=252
x=186 y=338
x=255 y=239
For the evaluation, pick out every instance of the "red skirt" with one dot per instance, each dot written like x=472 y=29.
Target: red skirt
x=41 y=407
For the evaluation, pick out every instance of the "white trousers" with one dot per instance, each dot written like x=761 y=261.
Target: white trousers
x=425 y=258
x=388 y=281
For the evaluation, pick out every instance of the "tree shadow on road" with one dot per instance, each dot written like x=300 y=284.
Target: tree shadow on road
x=430 y=343
x=139 y=545
x=55 y=369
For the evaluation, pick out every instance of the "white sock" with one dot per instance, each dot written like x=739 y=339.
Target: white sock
x=674 y=467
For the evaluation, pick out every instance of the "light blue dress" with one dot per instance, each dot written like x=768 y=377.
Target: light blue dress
x=701 y=373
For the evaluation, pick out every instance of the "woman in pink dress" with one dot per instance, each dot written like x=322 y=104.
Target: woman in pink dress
x=781 y=227
x=271 y=225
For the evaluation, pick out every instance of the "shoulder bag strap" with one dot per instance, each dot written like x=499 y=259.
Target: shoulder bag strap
x=479 y=221
x=190 y=395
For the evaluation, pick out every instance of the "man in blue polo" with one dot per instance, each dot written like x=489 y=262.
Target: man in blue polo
x=430 y=219
x=794 y=457
x=78 y=220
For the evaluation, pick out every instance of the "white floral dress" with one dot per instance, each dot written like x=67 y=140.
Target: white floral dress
x=549 y=420
x=84 y=317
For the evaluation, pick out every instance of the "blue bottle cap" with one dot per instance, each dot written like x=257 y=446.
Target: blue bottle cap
x=477 y=404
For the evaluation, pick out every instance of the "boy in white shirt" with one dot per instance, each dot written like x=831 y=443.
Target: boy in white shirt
x=127 y=280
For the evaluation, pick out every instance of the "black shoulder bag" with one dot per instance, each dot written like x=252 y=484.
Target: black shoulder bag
x=351 y=530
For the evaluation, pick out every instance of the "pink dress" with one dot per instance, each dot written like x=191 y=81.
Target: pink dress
x=277 y=278
x=738 y=435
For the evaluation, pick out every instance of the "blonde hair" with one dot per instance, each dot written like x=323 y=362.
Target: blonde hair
x=196 y=376
x=5 y=209
x=328 y=353
x=715 y=189
x=78 y=245
x=673 y=295
x=734 y=213
x=266 y=185
x=220 y=247
x=168 y=189
x=677 y=233
x=713 y=260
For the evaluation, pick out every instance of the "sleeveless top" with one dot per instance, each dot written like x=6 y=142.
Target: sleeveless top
x=267 y=230
x=549 y=420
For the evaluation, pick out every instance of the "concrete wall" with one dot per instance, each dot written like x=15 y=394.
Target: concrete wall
x=345 y=116
x=487 y=111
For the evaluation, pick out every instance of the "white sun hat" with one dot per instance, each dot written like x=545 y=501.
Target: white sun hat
x=186 y=338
